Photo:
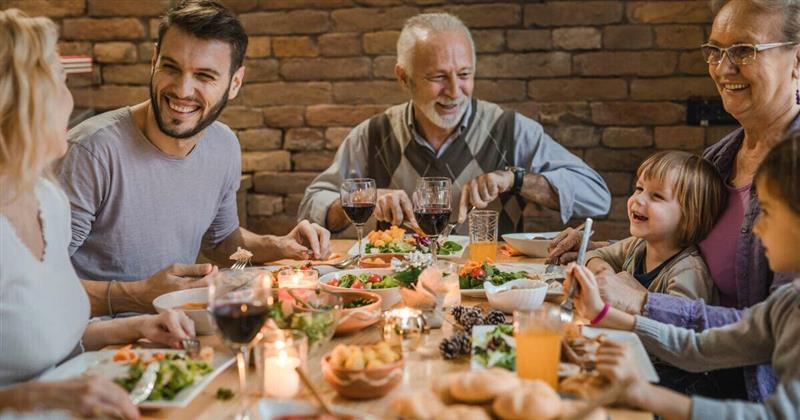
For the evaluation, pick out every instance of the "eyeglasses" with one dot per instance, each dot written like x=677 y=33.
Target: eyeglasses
x=738 y=54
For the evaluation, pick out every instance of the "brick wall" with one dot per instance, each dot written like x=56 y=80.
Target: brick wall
x=608 y=79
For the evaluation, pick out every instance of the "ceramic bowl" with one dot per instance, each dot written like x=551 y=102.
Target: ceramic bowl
x=529 y=296
x=379 y=260
x=526 y=244
x=389 y=297
x=354 y=319
x=203 y=322
x=362 y=384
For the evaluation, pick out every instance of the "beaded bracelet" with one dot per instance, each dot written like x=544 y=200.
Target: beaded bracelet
x=601 y=315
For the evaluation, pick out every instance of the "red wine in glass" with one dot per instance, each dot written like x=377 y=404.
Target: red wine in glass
x=239 y=322
x=432 y=220
x=359 y=213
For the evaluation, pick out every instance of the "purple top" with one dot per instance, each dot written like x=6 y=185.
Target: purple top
x=754 y=280
x=720 y=244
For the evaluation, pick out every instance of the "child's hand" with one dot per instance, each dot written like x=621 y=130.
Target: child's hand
x=616 y=363
x=587 y=298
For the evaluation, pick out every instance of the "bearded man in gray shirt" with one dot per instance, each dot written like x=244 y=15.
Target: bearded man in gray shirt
x=150 y=185
x=496 y=159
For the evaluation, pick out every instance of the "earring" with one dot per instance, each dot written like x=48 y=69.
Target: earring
x=797 y=96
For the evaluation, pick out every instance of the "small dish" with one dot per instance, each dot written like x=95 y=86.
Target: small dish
x=531 y=244
x=379 y=260
x=362 y=384
x=354 y=319
x=193 y=302
x=526 y=295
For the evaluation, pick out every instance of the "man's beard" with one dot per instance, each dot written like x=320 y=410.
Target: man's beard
x=204 y=122
x=446 y=122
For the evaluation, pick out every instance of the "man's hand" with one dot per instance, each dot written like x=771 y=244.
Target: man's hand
x=174 y=277
x=169 y=328
x=394 y=206
x=623 y=292
x=305 y=241
x=482 y=190
x=564 y=247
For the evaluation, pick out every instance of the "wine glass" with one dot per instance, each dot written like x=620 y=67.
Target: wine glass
x=432 y=208
x=239 y=301
x=358 y=197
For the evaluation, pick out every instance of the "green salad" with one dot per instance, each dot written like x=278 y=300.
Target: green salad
x=473 y=278
x=413 y=243
x=317 y=326
x=175 y=372
x=496 y=348
x=357 y=303
x=365 y=281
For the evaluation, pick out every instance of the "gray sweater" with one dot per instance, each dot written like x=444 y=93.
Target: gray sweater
x=768 y=332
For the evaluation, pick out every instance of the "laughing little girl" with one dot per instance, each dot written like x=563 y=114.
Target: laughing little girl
x=678 y=197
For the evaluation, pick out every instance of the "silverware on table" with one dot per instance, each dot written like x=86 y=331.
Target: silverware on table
x=567 y=307
x=450 y=226
x=192 y=347
x=146 y=384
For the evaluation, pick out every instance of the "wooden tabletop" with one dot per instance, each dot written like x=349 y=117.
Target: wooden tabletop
x=421 y=366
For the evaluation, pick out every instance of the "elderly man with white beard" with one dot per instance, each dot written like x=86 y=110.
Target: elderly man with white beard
x=496 y=159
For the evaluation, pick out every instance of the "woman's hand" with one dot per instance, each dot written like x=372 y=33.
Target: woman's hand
x=89 y=396
x=167 y=328
x=616 y=363
x=588 y=302
x=564 y=247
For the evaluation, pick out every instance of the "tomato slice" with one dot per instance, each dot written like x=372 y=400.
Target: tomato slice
x=357 y=285
x=478 y=273
x=374 y=278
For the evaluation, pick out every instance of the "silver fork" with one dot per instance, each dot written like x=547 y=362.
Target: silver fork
x=240 y=264
x=192 y=347
x=450 y=226
x=567 y=306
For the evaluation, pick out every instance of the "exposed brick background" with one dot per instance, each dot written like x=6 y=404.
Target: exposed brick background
x=608 y=79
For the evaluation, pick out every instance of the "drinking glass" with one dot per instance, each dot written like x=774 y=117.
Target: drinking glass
x=432 y=208
x=538 y=335
x=239 y=301
x=483 y=235
x=358 y=197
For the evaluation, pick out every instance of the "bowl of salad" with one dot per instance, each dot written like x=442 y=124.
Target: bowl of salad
x=315 y=312
x=379 y=281
x=361 y=309
x=472 y=274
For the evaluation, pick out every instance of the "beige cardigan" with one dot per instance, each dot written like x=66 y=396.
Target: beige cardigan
x=685 y=275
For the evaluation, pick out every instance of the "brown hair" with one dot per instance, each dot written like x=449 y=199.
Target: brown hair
x=697 y=186
x=28 y=78
x=780 y=171
x=207 y=19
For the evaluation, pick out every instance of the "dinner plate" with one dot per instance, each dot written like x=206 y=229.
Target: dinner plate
x=101 y=362
x=269 y=409
x=524 y=242
x=459 y=239
x=646 y=368
x=531 y=268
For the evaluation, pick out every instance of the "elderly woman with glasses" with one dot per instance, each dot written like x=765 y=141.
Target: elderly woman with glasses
x=754 y=59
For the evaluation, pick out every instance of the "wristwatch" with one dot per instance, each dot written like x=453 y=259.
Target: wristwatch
x=519 y=176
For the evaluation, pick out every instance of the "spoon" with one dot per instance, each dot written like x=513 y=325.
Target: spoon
x=567 y=306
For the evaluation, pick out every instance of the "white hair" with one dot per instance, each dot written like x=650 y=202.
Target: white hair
x=422 y=25
x=788 y=9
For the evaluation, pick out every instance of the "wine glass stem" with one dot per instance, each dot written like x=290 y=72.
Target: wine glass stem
x=360 y=233
x=434 y=248
x=241 y=364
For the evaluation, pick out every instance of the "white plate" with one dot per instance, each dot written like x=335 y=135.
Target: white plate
x=524 y=242
x=646 y=368
x=531 y=268
x=479 y=333
x=459 y=239
x=269 y=409
x=100 y=362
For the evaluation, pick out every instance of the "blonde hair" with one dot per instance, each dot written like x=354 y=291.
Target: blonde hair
x=696 y=185
x=28 y=81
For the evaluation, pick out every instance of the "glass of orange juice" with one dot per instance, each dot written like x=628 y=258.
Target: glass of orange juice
x=483 y=235
x=538 y=336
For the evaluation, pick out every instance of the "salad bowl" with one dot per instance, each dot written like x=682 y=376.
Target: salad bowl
x=378 y=281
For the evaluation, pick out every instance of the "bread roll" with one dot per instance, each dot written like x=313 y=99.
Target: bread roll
x=483 y=385
x=441 y=386
x=533 y=400
x=571 y=407
x=418 y=405
x=462 y=412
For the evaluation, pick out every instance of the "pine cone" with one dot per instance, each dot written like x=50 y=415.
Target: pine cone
x=455 y=346
x=471 y=319
x=460 y=312
x=496 y=318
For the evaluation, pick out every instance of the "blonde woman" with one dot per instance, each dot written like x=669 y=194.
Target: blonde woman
x=44 y=309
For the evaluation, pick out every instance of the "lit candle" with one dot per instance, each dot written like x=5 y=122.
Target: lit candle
x=280 y=378
x=306 y=279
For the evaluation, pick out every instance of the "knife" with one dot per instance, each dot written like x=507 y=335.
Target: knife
x=146 y=384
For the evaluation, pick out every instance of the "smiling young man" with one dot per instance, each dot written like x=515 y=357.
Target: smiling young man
x=496 y=159
x=152 y=184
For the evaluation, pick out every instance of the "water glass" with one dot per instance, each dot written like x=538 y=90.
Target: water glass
x=483 y=235
x=538 y=335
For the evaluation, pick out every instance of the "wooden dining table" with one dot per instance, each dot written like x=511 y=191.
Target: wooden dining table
x=421 y=366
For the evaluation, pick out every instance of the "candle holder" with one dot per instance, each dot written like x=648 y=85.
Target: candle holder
x=297 y=278
x=405 y=328
x=277 y=356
